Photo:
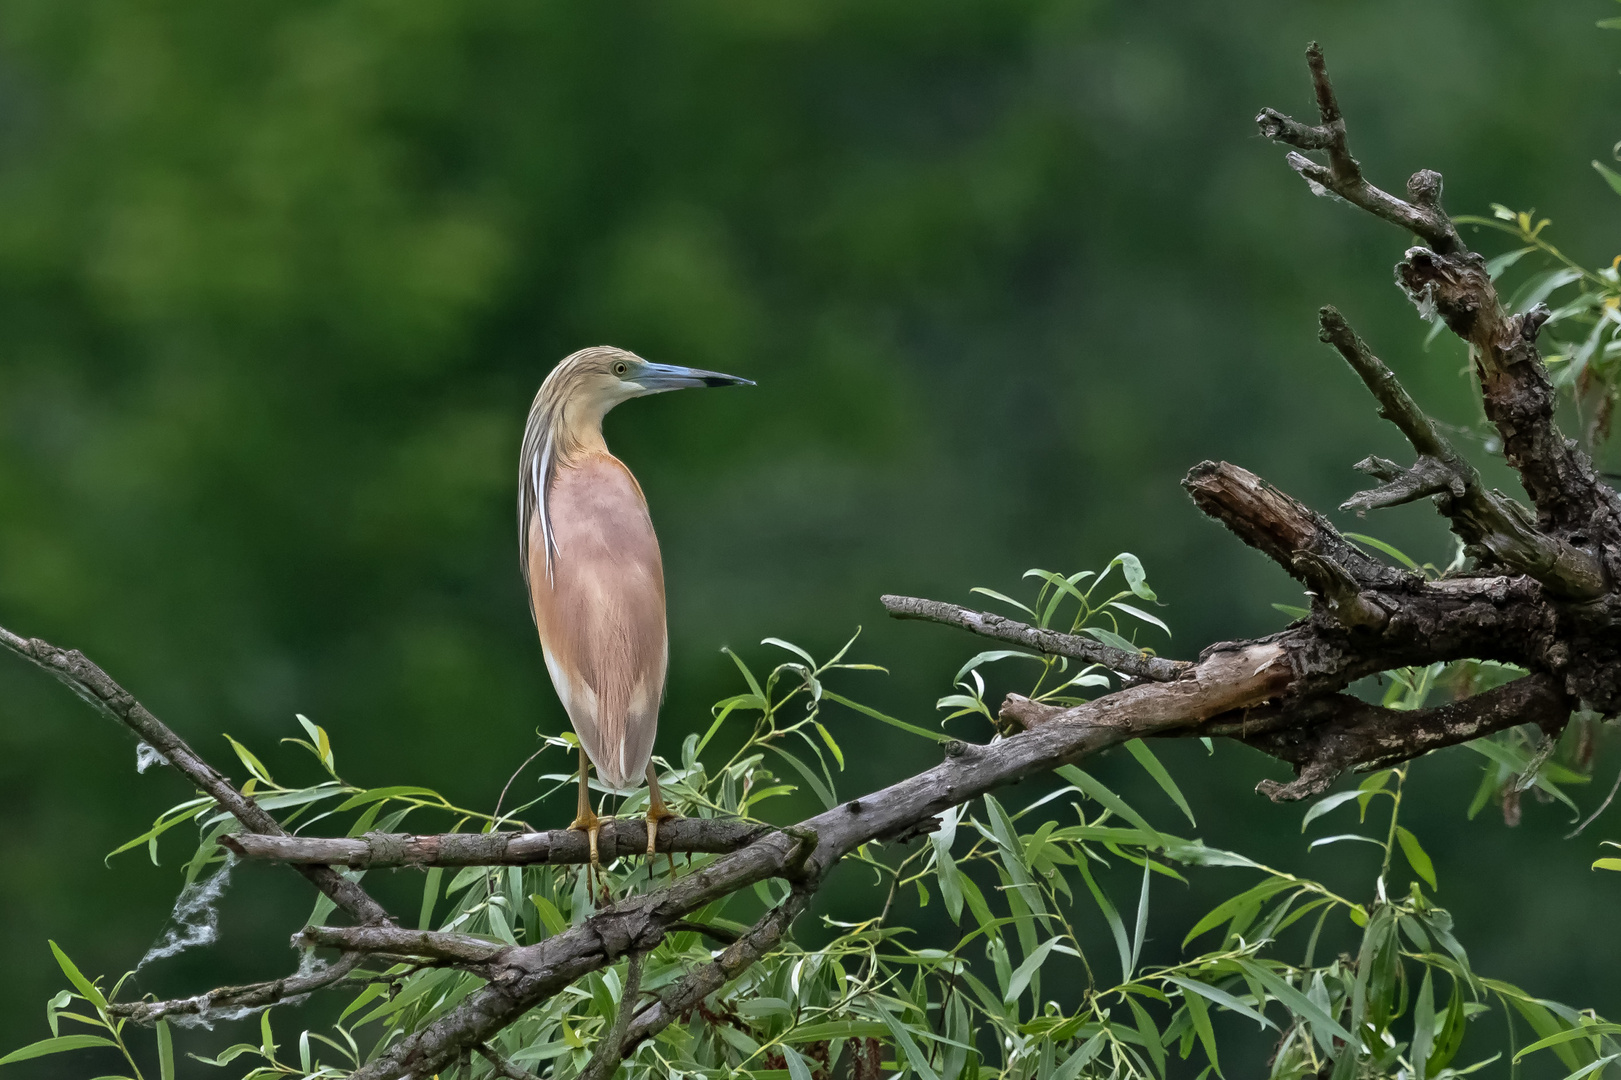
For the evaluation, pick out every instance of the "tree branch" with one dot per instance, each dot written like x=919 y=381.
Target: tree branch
x=1492 y=524
x=610 y=1050
x=1343 y=176
x=253 y=996
x=95 y=686
x=430 y=945
x=1343 y=732
x=1322 y=737
x=1426 y=477
x=1077 y=647
x=1448 y=280
x=1279 y=525
x=1344 y=579
x=618 y=838
x=1516 y=394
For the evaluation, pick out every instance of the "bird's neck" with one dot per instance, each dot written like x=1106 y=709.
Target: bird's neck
x=579 y=432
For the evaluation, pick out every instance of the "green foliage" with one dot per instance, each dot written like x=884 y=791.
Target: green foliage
x=1076 y=604
x=1017 y=987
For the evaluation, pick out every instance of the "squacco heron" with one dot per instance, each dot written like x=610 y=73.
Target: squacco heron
x=591 y=562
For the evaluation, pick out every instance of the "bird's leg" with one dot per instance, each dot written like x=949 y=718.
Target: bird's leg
x=656 y=812
x=587 y=819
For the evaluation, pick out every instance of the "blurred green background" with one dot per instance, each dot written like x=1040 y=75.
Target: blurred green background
x=279 y=279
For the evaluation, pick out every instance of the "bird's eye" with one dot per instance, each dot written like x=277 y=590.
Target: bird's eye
x=619 y=367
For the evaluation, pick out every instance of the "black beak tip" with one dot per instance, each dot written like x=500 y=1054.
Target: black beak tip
x=726 y=380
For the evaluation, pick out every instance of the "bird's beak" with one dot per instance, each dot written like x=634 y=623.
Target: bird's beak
x=657 y=378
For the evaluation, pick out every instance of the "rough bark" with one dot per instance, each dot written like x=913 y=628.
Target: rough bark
x=618 y=838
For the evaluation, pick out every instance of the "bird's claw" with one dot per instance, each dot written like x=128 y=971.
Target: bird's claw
x=654 y=816
x=656 y=813
x=591 y=825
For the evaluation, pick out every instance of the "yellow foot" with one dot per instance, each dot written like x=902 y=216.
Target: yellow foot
x=590 y=824
x=655 y=815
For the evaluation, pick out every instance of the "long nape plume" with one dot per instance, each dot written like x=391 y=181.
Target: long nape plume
x=537 y=464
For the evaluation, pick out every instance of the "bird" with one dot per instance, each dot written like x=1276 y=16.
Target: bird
x=592 y=570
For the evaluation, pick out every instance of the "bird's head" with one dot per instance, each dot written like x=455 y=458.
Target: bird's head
x=594 y=380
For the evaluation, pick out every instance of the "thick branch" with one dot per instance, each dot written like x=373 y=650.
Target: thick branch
x=95 y=686
x=1343 y=732
x=1277 y=524
x=1343 y=176
x=618 y=838
x=1488 y=521
x=1322 y=737
x=1516 y=394
x=1051 y=642
x=1299 y=539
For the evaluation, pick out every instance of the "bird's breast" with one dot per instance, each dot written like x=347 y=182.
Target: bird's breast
x=601 y=612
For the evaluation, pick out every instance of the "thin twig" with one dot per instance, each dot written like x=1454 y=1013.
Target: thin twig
x=252 y=996
x=1139 y=665
x=1603 y=806
x=705 y=979
x=513 y=778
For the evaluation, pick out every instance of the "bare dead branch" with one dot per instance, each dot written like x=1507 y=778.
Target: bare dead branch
x=1051 y=642
x=253 y=996
x=618 y=838
x=1427 y=476
x=1446 y=279
x=1342 y=175
x=1344 y=579
x=95 y=686
x=1517 y=395
x=1496 y=528
x=1348 y=733
x=1277 y=524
